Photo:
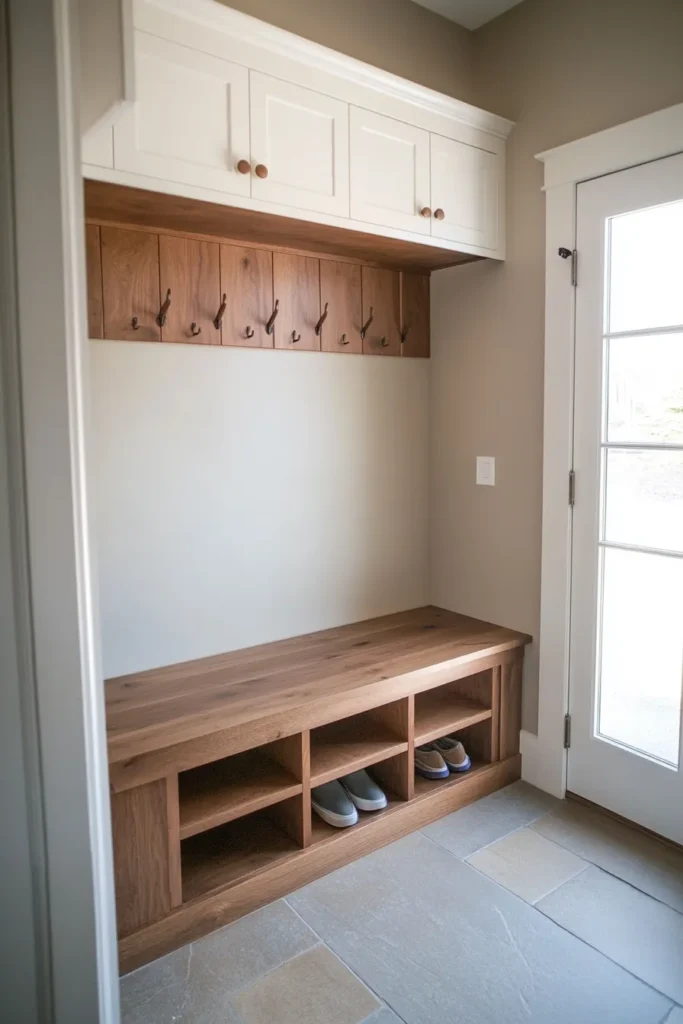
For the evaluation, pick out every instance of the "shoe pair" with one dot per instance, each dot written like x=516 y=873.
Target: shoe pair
x=338 y=802
x=438 y=759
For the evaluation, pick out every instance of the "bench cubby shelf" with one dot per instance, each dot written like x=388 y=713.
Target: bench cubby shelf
x=212 y=762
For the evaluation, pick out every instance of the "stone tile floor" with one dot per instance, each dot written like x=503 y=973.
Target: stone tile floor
x=518 y=908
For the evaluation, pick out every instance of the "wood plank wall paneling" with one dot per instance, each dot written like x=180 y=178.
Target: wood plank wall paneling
x=93 y=269
x=247 y=282
x=130 y=274
x=381 y=294
x=340 y=288
x=415 y=315
x=191 y=269
x=296 y=284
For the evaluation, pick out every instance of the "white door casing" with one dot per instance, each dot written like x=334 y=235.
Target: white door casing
x=301 y=137
x=190 y=121
x=626 y=645
x=389 y=172
x=465 y=185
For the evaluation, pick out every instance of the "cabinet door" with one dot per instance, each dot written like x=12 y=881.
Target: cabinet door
x=389 y=172
x=415 y=315
x=190 y=268
x=130 y=278
x=300 y=139
x=190 y=121
x=340 y=289
x=296 y=284
x=382 y=301
x=247 y=282
x=93 y=270
x=465 y=187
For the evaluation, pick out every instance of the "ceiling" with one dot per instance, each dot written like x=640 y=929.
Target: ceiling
x=469 y=13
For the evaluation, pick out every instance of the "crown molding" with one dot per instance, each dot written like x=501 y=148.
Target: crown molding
x=248 y=30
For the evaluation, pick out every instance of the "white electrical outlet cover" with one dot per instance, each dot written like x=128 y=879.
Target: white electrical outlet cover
x=486 y=470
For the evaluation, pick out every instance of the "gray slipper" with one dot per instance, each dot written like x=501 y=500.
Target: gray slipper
x=364 y=791
x=331 y=803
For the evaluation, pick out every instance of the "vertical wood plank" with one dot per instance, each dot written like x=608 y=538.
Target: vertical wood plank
x=382 y=293
x=510 y=706
x=294 y=815
x=340 y=288
x=247 y=281
x=191 y=269
x=140 y=825
x=495 y=717
x=296 y=283
x=415 y=315
x=93 y=270
x=130 y=277
x=398 y=772
x=173 y=819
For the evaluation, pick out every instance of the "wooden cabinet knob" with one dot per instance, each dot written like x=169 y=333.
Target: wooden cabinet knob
x=244 y=167
x=425 y=212
x=439 y=214
x=261 y=171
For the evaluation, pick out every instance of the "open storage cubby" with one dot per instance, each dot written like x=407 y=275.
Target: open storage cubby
x=216 y=793
x=233 y=852
x=358 y=741
x=211 y=788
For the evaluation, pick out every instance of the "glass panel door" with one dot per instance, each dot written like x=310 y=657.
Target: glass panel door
x=626 y=677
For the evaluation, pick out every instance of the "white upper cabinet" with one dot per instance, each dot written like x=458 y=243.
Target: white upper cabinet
x=299 y=147
x=190 y=121
x=389 y=172
x=465 y=193
x=229 y=109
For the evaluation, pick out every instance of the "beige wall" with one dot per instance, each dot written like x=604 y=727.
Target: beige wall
x=561 y=70
x=396 y=35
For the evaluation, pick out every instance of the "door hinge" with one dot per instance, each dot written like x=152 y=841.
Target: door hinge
x=566 y=254
x=567 y=731
x=572 y=487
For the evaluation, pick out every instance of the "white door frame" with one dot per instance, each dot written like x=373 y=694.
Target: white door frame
x=60 y=965
x=635 y=142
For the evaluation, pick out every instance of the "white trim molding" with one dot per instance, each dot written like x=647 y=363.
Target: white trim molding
x=245 y=30
x=636 y=142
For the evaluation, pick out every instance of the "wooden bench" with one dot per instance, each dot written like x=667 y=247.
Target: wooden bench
x=212 y=761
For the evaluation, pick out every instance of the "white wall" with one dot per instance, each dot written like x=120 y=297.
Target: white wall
x=244 y=496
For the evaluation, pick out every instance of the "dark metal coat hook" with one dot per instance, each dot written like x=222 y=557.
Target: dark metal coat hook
x=364 y=328
x=270 y=326
x=295 y=337
x=383 y=342
x=218 y=319
x=564 y=253
x=250 y=332
x=343 y=340
x=321 y=321
x=161 y=317
x=135 y=324
x=404 y=334
x=194 y=329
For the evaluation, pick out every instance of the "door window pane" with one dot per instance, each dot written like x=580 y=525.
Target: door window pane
x=645 y=391
x=644 y=498
x=640 y=664
x=646 y=269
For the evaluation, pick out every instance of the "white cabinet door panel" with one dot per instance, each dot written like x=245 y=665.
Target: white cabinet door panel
x=190 y=121
x=302 y=138
x=465 y=185
x=389 y=172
